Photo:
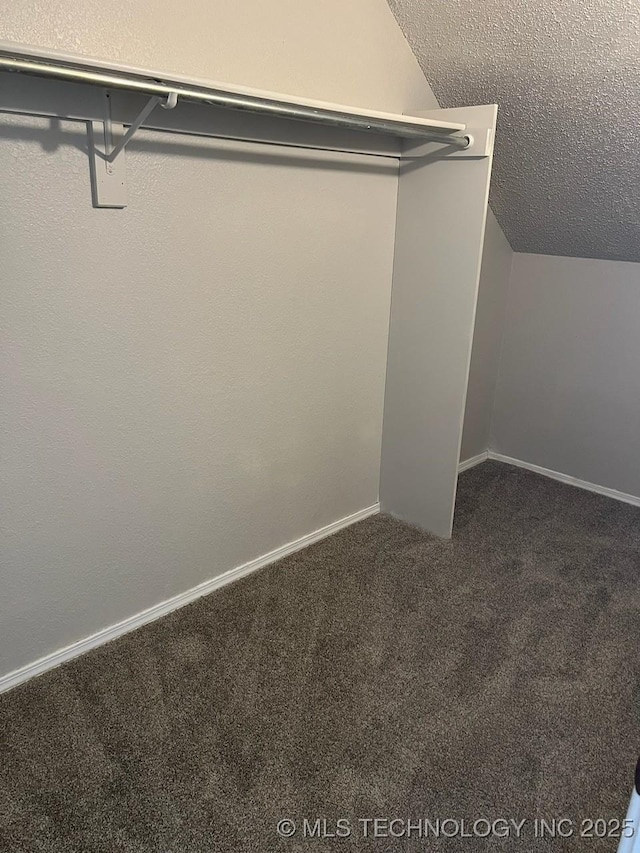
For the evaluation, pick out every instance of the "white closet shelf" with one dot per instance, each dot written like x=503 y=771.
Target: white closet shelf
x=55 y=64
x=109 y=134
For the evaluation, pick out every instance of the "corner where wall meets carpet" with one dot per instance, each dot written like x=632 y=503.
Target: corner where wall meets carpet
x=112 y=632
x=379 y=673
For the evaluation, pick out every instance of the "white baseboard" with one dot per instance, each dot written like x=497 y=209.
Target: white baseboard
x=473 y=461
x=566 y=478
x=553 y=475
x=56 y=658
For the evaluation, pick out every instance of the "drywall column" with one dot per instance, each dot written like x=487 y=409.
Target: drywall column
x=442 y=208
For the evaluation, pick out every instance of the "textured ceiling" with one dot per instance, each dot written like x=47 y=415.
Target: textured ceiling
x=566 y=77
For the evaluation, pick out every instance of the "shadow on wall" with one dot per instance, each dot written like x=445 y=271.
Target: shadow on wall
x=57 y=134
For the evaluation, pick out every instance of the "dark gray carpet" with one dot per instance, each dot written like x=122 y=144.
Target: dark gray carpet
x=380 y=673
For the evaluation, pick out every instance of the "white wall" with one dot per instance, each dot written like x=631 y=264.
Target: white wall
x=440 y=227
x=198 y=379
x=568 y=393
x=497 y=257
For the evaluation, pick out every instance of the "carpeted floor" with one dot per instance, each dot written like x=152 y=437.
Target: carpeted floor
x=380 y=673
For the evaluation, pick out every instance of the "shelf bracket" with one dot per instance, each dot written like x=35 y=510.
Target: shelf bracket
x=107 y=144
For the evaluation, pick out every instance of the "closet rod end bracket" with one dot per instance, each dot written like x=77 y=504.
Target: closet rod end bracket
x=479 y=145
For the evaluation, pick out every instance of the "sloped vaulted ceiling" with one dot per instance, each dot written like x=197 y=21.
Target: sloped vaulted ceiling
x=566 y=77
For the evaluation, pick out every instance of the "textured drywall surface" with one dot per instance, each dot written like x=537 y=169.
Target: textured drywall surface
x=566 y=77
x=198 y=379
x=186 y=384
x=497 y=257
x=568 y=393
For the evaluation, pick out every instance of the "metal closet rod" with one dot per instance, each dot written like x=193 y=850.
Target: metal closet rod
x=114 y=79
